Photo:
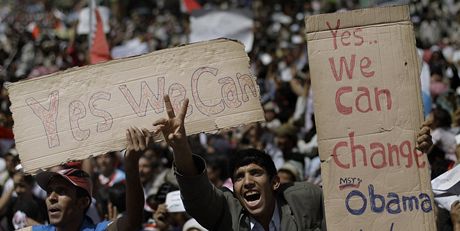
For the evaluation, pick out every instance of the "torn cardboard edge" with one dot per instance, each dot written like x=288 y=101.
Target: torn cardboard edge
x=8 y=85
x=357 y=18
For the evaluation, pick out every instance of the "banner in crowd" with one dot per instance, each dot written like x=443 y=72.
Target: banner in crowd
x=232 y=24
x=368 y=111
x=85 y=111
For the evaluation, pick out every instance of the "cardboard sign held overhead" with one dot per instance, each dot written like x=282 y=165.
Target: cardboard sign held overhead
x=368 y=110
x=85 y=111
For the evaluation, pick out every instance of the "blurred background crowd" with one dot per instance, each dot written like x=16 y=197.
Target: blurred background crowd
x=39 y=37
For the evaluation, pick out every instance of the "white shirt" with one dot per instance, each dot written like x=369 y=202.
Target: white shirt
x=275 y=222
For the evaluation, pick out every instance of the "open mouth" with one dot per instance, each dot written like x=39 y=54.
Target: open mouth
x=53 y=210
x=252 y=196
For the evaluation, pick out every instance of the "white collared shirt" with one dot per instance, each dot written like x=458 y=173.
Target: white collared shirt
x=275 y=222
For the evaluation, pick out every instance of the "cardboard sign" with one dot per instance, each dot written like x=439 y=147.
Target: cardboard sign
x=85 y=111
x=368 y=110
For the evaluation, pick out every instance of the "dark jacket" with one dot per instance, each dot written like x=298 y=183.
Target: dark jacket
x=300 y=204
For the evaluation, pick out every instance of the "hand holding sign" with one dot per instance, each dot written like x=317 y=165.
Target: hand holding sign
x=137 y=143
x=455 y=214
x=424 y=140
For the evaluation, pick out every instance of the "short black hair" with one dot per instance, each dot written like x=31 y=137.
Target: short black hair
x=252 y=156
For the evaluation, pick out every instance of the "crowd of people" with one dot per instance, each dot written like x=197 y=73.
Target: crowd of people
x=39 y=37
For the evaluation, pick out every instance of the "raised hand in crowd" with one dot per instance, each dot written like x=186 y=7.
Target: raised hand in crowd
x=160 y=216
x=136 y=145
x=112 y=212
x=173 y=131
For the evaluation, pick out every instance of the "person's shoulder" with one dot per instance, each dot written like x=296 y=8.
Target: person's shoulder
x=38 y=228
x=302 y=189
x=26 y=229
x=106 y=225
x=305 y=201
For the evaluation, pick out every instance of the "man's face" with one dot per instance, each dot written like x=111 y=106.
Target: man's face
x=10 y=163
x=21 y=187
x=145 y=170
x=106 y=164
x=255 y=190
x=64 y=207
x=284 y=143
x=285 y=177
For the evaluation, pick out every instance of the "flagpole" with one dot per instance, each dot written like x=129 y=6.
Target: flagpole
x=91 y=6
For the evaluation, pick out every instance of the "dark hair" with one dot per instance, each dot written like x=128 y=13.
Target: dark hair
x=441 y=118
x=29 y=179
x=252 y=156
x=218 y=163
x=160 y=197
x=117 y=196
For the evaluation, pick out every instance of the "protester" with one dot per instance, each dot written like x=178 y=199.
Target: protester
x=69 y=194
x=24 y=209
x=255 y=186
x=258 y=200
x=109 y=174
x=39 y=37
x=442 y=133
x=289 y=173
x=11 y=159
x=168 y=221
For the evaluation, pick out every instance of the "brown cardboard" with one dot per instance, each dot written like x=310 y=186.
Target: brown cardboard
x=354 y=111
x=87 y=110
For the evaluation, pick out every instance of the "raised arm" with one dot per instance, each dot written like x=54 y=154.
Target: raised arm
x=137 y=143
x=174 y=134
x=201 y=199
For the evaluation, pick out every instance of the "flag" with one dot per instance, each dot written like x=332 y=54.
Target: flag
x=187 y=6
x=232 y=24
x=34 y=30
x=99 y=51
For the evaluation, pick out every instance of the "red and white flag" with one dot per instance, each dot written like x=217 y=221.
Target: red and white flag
x=99 y=49
x=187 y=6
x=34 y=30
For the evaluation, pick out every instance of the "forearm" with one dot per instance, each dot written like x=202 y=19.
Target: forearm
x=456 y=227
x=134 y=197
x=183 y=160
x=6 y=197
x=201 y=200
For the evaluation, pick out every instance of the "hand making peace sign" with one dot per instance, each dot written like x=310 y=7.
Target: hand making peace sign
x=173 y=128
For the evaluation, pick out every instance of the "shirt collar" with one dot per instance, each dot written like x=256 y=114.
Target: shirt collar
x=275 y=222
